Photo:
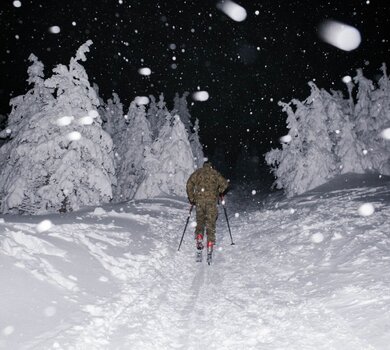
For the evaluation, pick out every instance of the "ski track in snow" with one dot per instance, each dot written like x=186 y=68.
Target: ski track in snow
x=275 y=289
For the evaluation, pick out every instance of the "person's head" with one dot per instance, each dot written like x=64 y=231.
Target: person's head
x=207 y=164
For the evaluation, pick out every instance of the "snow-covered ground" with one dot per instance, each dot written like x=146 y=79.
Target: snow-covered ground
x=305 y=273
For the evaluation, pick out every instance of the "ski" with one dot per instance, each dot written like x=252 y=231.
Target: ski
x=199 y=255
x=199 y=247
x=209 y=257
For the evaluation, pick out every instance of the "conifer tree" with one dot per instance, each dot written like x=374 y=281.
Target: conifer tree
x=114 y=120
x=130 y=163
x=196 y=146
x=60 y=158
x=168 y=162
x=379 y=148
x=307 y=160
x=180 y=107
x=157 y=114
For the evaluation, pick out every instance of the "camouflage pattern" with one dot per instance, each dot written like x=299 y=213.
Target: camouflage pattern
x=203 y=188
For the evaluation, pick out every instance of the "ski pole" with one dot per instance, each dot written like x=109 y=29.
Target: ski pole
x=185 y=227
x=227 y=220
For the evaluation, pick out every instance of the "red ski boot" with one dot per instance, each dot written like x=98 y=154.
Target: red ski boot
x=199 y=241
x=199 y=247
x=210 y=246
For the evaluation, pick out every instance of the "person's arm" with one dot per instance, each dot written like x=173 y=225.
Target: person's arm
x=223 y=184
x=190 y=189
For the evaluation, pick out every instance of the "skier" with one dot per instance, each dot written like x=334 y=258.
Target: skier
x=203 y=188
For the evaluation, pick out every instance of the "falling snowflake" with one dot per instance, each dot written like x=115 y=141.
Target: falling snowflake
x=74 y=136
x=64 y=121
x=386 y=134
x=200 y=96
x=366 y=209
x=141 y=100
x=145 y=71
x=347 y=79
x=340 y=35
x=54 y=29
x=44 y=226
x=234 y=11
x=285 y=139
x=317 y=237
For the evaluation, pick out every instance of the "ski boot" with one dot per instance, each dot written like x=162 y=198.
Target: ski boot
x=210 y=246
x=199 y=247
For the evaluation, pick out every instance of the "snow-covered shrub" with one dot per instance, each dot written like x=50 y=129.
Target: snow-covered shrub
x=59 y=157
x=168 y=162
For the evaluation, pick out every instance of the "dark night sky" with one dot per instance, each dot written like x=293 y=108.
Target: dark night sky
x=246 y=67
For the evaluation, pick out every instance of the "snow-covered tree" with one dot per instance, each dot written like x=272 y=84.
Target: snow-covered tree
x=306 y=161
x=130 y=162
x=157 y=114
x=114 y=120
x=60 y=158
x=362 y=114
x=168 y=162
x=196 y=146
x=346 y=147
x=379 y=148
x=180 y=107
x=24 y=106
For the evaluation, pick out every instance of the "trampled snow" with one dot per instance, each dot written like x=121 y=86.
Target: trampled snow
x=306 y=273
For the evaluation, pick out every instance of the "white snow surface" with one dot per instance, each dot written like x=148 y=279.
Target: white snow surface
x=306 y=273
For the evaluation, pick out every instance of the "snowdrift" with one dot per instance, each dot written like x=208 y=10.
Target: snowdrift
x=306 y=273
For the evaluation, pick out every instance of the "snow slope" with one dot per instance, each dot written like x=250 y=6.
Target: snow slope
x=305 y=273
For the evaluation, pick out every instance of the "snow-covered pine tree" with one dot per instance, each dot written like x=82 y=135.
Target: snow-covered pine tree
x=346 y=147
x=157 y=114
x=180 y=107
x=168 y=162
x=307 y=160
x=114 y=120
x=379 y=148
x=60 y=158
x=24 y=106
x=284 y=162
x=362 y=113
x=133 y=143
x=196 y=146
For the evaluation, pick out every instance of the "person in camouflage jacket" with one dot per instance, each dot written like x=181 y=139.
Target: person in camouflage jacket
x=203 y=188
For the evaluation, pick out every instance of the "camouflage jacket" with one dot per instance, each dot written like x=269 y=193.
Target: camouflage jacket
x=205 y=184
